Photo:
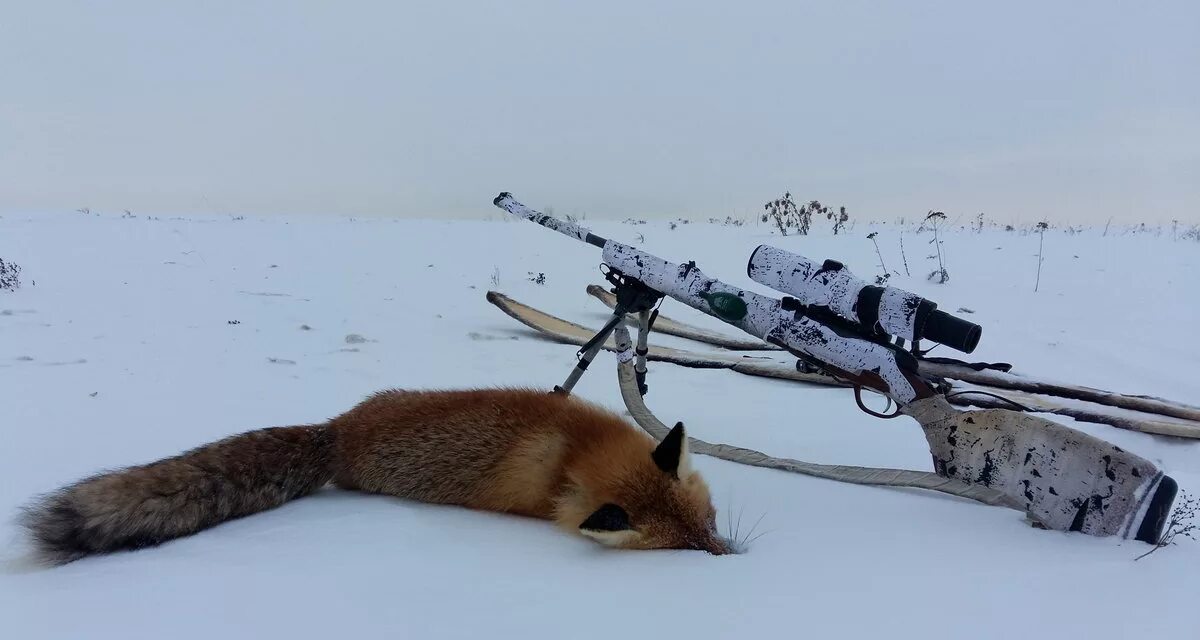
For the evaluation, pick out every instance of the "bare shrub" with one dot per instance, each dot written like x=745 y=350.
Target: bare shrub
x=786 y=215
x=839 y=218
x=934 y=220
x=1041 y=228
x=10 y=276
x=881 y=279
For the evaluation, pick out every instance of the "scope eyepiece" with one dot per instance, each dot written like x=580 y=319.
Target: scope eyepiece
x=953 y=332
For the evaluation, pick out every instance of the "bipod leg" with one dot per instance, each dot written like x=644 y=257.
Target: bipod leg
x=639 y=368
x=588 y=352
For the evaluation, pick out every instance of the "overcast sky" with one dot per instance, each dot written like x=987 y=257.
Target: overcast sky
x=1022 y=110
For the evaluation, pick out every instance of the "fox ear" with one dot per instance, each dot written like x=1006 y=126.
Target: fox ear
x=671 y=455
x=608 y=518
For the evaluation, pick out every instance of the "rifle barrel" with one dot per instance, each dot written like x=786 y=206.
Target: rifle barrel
x=506 y=201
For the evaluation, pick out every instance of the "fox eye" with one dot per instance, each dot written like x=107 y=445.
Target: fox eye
x=609 y=517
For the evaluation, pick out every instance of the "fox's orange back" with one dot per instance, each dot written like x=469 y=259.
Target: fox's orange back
x=534 y=453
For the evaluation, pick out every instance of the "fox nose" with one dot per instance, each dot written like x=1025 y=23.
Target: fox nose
x=716 y=546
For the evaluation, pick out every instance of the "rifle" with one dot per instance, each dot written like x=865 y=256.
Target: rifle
x=1062 y=478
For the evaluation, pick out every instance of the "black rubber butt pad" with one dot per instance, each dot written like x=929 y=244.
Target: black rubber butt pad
x=1156 y=515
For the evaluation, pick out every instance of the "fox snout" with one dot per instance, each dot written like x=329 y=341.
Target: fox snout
x=712 y=546
x=717 y=546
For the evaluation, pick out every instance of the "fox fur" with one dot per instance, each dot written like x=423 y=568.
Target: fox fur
x=519 y=451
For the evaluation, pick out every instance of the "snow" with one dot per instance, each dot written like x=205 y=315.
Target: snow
x=124 y=352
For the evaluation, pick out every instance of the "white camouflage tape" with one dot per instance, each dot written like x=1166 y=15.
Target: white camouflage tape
x=806 y=280
x=763 y=317
x=898 y=312
x=836 y=289
x=1069 y=480
x=626 y=355
x=689 y=285
x=510 y=205
x=849 y=354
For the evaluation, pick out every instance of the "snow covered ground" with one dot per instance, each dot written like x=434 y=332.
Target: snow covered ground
x=143 y=337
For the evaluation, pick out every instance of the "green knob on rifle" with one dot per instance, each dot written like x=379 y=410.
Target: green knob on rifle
x=726 y=305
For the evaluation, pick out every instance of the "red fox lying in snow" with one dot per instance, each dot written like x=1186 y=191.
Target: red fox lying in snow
x=518 y=451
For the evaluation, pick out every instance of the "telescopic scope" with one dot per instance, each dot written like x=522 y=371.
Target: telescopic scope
x=887 y=310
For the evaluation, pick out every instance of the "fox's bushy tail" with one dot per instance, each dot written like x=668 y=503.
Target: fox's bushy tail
x=150 y=504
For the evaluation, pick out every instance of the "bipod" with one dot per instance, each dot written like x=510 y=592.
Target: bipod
x=633 y=296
